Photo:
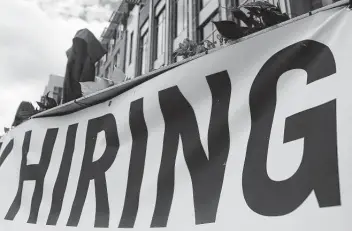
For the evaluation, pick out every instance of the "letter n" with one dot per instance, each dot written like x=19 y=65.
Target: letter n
x=207 y=174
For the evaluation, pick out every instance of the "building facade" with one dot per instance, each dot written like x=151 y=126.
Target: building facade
x=114 y=40
x=151 y=30
x=55 y=89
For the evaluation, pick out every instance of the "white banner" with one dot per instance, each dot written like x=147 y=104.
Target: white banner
x=255 y=136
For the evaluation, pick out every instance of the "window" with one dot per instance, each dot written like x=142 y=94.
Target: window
x=115 y=39
x=116 y=36
x=208 y=30
x=121 y=29
x=117 y=60
x=111 y=45
x=143 y=49
x=42 y=99
x=160 y=33
x=131 y=48
x=57 y=94
x=203 y=3
x=299 y=7
x=108 y=47
x=97 y=68
x=181 y=15
x=105 y=58
x=316 y=4
x=144 y=52
x=107 y=71
x=240 y=2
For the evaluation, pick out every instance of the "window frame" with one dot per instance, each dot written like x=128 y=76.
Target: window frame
x=144 y=53
x=97 y=68
x=158 y=57
x=207 y=11
x=58 y=94
x=179 y=29
x=107 y=71
x=131 y=48
x=143 y=50
x=208 y=21
x=202 y=5
x=117 y=59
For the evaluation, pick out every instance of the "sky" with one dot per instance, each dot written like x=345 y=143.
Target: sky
x=34 y=36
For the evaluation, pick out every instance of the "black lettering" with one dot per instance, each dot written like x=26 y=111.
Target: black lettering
x=34 y=172
x=96 y=170
x=135 y=174
x=318 y=171
x=62 y=178
x=206 y=174
x=6 y=152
